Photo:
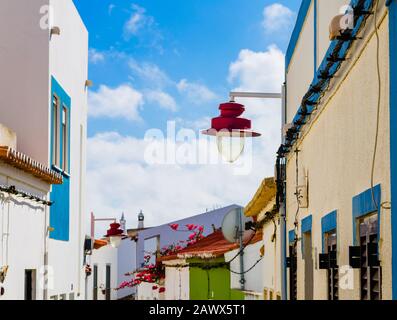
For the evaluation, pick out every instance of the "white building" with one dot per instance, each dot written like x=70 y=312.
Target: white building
x=43 y=98
x=23 y=220
x=109 y=267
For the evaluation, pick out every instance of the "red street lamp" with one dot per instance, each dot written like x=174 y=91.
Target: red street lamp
x=115 y=234
x=231 y=130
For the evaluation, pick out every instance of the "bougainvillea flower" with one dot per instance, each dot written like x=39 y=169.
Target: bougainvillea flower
x=192 y=236
x=201 y=228
x=161 y=290
x=154 y=287
x=174 y=226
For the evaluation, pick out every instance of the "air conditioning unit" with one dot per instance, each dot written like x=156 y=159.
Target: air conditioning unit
x=341 y=23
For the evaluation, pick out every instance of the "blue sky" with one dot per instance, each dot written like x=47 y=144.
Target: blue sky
x=154 y=61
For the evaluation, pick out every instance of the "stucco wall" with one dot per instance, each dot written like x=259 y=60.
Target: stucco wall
x=68 y=63
x=23 y=226
x=101 y=257
x=271 y=259
x=253 y=278
x=24 y=80
x=301 y=69
x=177 y=284
x=336 y=156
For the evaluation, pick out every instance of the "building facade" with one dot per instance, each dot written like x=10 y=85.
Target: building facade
x=24 y=209
x=43 y=97
x=153 y=239
x=339 y=151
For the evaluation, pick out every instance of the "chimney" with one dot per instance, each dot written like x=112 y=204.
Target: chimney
x=8 y=138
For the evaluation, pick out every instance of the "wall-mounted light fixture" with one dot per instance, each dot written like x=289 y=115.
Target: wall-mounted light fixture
x=89 y=83
x=55 y=31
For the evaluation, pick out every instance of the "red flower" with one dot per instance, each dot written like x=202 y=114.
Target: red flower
x=174 y=226
x=154 y=287
x=191 y=227
x=201 y=228
x=192 y=236
x=161 y=290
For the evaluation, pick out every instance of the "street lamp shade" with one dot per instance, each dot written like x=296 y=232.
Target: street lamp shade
x=231 y=130
x=114 y=234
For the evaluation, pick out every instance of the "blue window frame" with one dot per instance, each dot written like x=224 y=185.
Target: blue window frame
x=363 y=205
x=306 y=227
x=328 y=225
x=60 y=160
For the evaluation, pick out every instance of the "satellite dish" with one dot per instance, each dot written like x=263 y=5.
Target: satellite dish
x=233 y=222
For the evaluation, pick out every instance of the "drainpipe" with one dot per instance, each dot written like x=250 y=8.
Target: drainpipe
x=241 y=234
x=283 y=211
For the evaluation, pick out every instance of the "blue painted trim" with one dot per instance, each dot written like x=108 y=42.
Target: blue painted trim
x=306 y=226
x=315 y=36
x=303 y=10
x=328 y=224
x=291 y=236
x=393 y=134
x=60 y=194
x=364 y=205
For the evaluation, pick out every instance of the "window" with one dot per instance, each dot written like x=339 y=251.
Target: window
x=95 y=284
x=108 y=285
x=56 y=131
x=333 y=270
x=370 y=271
x=65 y=139
x=30 y=284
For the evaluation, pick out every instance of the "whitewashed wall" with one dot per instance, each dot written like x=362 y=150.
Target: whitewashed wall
x=68 y=62
x=126 y=262
x=177 y=282
x=23 y=228
x=102 y=257
x=24 y=78
x=254 y=278
x=344 y=132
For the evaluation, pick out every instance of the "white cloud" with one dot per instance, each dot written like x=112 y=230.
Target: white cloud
x=119 y=180
x=120 y=102
x=149 y=72
x=168 y=192
x=163 y=99
x=195 y=92
x=136 y=21
x=258 y=71
x=261 y=71
x=95 y=56
x=277 y=17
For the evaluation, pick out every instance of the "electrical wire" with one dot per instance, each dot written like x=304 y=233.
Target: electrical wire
x=248 y=270
x=296 y=222
x=243 y=248
x=378 y=109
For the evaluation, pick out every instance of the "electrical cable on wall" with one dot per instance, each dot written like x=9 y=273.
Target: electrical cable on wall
x=384 y=205
x=297 y=194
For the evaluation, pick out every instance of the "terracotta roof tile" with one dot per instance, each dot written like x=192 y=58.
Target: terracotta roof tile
x=211 y=246
x=27 y=164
